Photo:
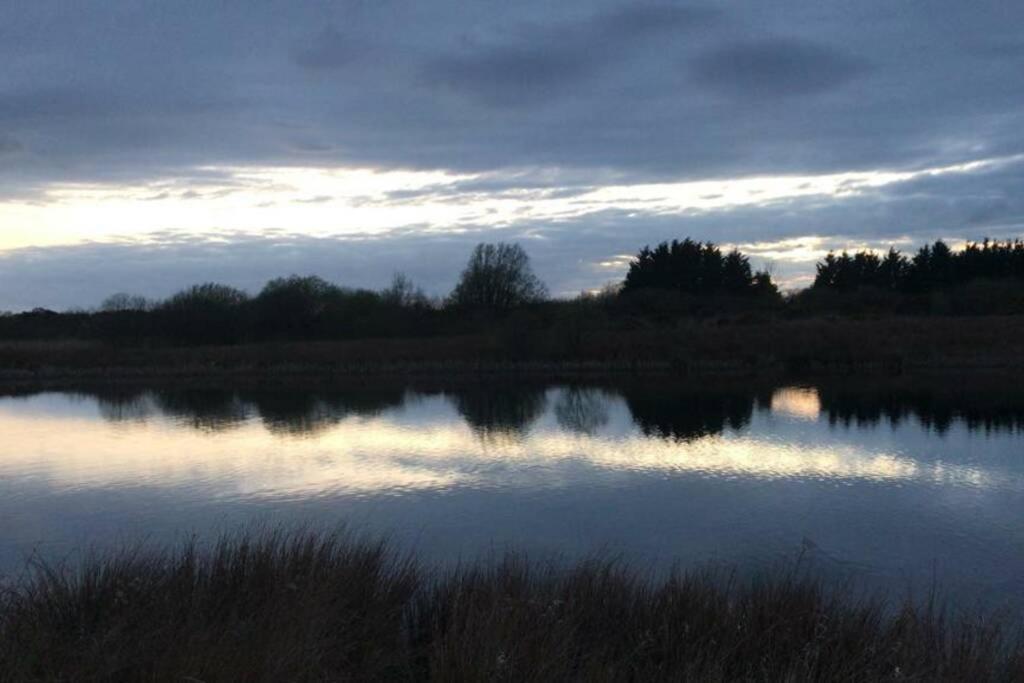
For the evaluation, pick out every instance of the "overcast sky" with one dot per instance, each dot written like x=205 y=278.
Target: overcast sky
x=149 y=145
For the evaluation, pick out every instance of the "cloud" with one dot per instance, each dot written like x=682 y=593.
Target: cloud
x=594 y=86
x=9 y=145
x=538 y=100
x=775 y=68
x=511 y=75
x=541 y=62
x=330 y=49
x=640 y=20
x=37 y=104
x=571 y=255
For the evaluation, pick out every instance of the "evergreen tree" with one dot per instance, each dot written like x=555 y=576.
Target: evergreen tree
x=695 y=268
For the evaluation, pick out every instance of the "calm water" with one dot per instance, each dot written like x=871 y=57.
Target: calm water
x=887 y=483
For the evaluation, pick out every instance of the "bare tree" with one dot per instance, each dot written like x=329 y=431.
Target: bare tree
x=498 y=277
x=121 y=302
x=402 y=292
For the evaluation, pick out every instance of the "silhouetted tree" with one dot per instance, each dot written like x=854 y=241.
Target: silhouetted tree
x=208 y=313
x=892 y=271
x=294 y=306
x=695 y=268
x=123 y=318
x=736 y=276
x=121 y=302
x=404 y=294
x=672 y=279
x=498 y=277
x=934 y=267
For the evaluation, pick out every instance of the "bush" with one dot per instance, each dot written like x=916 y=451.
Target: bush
x=206 y=314
x=295 y=307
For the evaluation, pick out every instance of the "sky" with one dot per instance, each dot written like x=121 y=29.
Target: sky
x=146 y=145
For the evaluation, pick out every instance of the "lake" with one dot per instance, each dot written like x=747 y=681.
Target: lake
x=893 y=484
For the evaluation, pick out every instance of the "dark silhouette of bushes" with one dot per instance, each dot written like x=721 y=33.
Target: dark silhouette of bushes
x=499 y=296
x=692 y=279
x=312 y=308
x=123 y=318
x=205 y=314
x=289 y=308
x=696 y=268
x=41 y=323
x=123 y=302
x=295 y=307
x=981 y=279
x=933 y=267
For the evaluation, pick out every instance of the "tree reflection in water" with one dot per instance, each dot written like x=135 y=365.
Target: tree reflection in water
x=507 y=410
x=582 y=410
x=689 y=413
x=499 y=412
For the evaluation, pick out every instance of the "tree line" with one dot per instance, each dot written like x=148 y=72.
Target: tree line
x=497 y=279
x=934 y=267
x=663 y=282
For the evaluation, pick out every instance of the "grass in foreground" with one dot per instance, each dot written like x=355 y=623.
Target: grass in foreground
x=307 y=606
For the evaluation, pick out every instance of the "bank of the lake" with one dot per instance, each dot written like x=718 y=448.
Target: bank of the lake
x=881 y=346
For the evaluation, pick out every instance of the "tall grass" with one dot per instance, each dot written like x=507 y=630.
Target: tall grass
x=889 y=345
x=306 y=606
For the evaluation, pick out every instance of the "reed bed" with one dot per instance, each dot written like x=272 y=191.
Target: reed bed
x=308 y=606
x=886 y=346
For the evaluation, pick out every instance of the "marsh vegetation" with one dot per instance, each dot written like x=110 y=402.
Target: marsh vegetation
x=300 y=605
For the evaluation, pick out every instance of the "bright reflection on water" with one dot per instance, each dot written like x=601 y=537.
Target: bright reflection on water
x=890 y=484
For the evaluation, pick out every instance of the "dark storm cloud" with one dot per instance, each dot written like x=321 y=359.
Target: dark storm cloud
x=123 y=90
x=775 y=68
x=510 y=75
x=542 y=62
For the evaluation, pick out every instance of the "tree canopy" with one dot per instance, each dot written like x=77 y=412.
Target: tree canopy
x=123 y=302
x=498 y=277
x=934 y=266
x=206 y=313
x=294 y=305
x=698 y=268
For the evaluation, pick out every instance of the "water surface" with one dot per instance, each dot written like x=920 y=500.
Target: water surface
x=893 y=484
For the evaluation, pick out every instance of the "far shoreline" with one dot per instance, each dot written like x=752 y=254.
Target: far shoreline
x=877 y=347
